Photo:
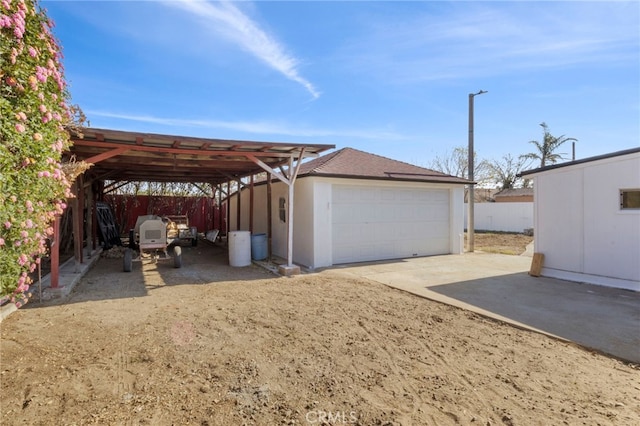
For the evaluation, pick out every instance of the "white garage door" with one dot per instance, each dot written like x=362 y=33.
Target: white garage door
x=375 y=223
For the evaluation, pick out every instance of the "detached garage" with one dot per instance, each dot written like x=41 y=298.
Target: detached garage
x=587 y=219
x=353 y=206
x=380 y=222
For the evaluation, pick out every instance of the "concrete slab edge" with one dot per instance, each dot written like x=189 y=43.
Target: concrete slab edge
x=66 y=285
x=494 y=317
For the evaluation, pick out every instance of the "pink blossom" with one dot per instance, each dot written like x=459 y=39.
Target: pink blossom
x=43 y=108
x=41 y=73
x=28 y=204
x=24 y=234
x=33 y=52
x=28 y=223
x=17 y=243
x=5 y=21
x=1 y=241
x=7 y=224
x=20 y=127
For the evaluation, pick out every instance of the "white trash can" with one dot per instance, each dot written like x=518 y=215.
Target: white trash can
x=239 y=248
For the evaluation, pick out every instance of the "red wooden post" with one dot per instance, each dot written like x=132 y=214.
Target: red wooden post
x=78 y=222
x=94 y=218
x=251 y=205
x=55 y=253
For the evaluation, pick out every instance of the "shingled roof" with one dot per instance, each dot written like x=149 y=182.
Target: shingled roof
x=352 y=163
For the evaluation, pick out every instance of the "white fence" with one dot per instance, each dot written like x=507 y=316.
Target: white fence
x=507 y=217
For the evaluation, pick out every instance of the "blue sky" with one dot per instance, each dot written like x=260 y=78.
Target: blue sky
x=391 y=78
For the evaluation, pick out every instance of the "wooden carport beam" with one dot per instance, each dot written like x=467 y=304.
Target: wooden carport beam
x=106 y=155
x=268 y=169
x=203 y=190
x=185 y=151
x=290 y=181
x=114 y=186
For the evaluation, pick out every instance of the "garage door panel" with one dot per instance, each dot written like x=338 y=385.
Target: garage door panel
x=382 y=223
x=387 y=195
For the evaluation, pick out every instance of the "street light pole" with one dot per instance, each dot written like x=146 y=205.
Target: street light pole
x=470 y=215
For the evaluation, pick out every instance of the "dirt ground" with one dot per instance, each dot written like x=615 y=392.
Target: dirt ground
x=209 y=344
x=500 y=242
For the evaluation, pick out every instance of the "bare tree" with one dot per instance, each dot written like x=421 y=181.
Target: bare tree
x=456 y=163
x=504 y=172
x=546 y=149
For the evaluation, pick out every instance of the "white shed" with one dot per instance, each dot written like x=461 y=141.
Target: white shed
x=353 y=206
x=587 y=219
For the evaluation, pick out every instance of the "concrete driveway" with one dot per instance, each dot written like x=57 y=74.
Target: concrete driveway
x=499 y=286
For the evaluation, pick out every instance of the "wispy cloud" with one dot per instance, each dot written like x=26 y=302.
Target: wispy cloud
x=225 y=18
x=261 y=127
x=481 y=40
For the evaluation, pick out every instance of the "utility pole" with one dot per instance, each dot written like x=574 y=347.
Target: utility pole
x=470 y=215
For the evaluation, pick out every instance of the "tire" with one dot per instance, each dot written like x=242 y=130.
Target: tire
x=132 y=239
x=177 y=257
x=127 y=260
x=194 y=232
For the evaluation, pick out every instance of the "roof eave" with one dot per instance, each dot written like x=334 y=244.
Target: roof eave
x=581 y=161
x=457 y=181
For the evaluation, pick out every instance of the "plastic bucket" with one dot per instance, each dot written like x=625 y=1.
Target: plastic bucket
x=259 y=246
x=239 y=248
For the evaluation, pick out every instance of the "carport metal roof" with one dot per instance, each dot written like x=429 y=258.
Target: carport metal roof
x=133 y=156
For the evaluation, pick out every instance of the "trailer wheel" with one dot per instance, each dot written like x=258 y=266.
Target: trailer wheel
x=194 y=232
x=127 y=260
x=177 y=257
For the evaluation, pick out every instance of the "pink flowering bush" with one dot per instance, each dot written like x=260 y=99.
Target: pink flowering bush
x=34 y=110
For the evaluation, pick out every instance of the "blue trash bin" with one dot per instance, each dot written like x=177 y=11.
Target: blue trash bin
x=259 y=246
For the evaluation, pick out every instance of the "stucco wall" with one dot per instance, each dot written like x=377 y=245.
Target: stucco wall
x=579 y=225
x=303 y=218
x=312 y=240
x=506 y=217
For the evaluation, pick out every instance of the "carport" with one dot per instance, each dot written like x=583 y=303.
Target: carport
x=120 y=157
